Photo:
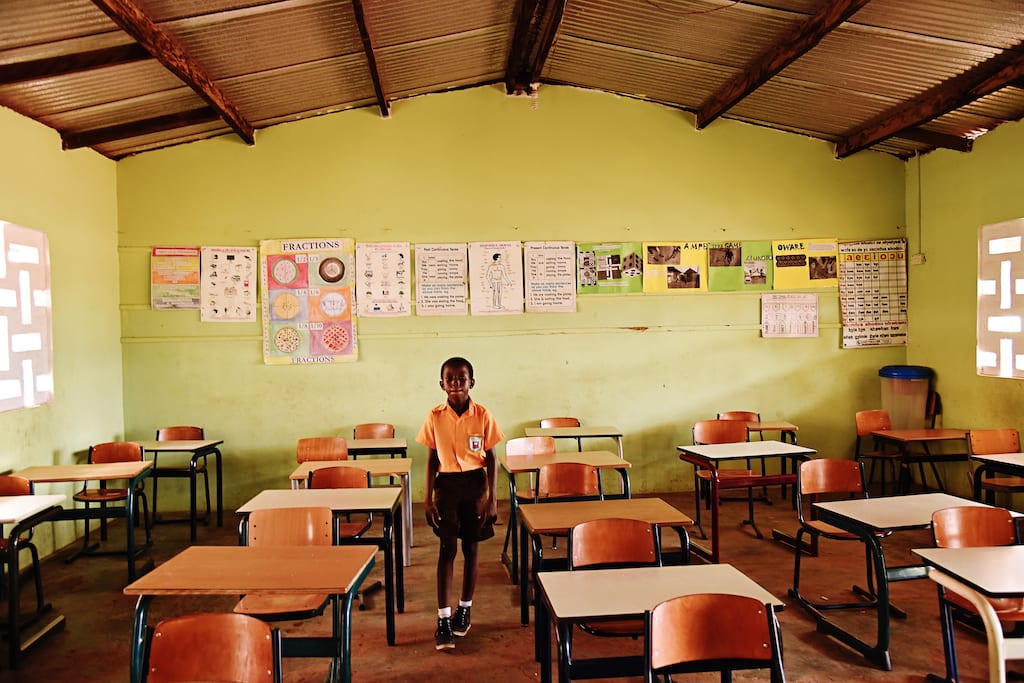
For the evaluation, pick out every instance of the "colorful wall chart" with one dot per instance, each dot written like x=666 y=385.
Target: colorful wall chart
x=308 y=312
x=495 y=278
x=609 y=267
x=740 y=266
x=675 y=267
x=806 y=264
x=174 y=277
x=873 y=293
x=550 y=277
x=441 y=279
x=228 y=285
x=383 y=278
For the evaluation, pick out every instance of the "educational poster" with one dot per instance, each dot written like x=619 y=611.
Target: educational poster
x=308 y=314
x=174 y=277
x=789 y=315
x=740 y=266
x=806 y=264
x=495 y=278
x=1000 y=350
x=383 y=279
x=873 y=293
x=441 y=277
x=675 y=267
x=550 y=277
x=228 y=285
x=26 y=335
x=609 y=267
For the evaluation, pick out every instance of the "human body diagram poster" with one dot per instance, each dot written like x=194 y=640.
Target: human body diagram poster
x=740 y=266
x=675 y=267
x=609 y=267
x=308 y=312
x=805 y=264
x=495 y=278
x=441 y=287
x=228 y=285
x=383 y=278
x=873 y=293
x=550 y=277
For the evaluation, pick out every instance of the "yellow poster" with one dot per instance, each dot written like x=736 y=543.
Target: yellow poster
x=806 y=264
x=675 y=267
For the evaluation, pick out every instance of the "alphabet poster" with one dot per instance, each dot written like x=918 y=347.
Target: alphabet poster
x=675 y=267
x=806 y=264
x=609 y=267
x=740 y=266
x=495 y=278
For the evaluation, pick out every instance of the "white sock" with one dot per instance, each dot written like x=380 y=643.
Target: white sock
x=465 y=603
x=444 y=612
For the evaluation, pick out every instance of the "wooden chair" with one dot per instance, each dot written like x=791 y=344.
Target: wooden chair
x=747 y=416
x=374 y=430
x=195 y=467
x=868 y=421
x=563 y=422
x=13 y=485
x=230 y=648
x=569 y=480
x=721 y=431
x=321 y=448
x=712 y=632
x=989 y=442
x=110 y=452
x=526 y=445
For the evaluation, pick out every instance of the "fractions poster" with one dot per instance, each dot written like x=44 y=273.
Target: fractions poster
x=740 y=266
x=675 y=266
x=609 y=267
x=228 y=286
x=873 y=293
x=789 y=315
x=441 y=271
x=805 y=264
x=307 y=301
x=1000 y=351
x=383 y=278
x=26 y=337
x=174 y=277
x=550 y=274
x=496 y=278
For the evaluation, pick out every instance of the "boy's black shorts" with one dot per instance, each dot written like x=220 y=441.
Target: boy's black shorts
x=462 y=505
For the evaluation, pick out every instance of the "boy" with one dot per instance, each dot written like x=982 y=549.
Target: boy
x=462 y=487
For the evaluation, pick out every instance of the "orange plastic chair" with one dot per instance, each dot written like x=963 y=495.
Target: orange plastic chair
x=563 y=422
x=568 y=480
x=13 y=485
x=110 y=452
x=868 y=421
x=989 y=442
x=181 y=433
x=529 y=445
x=321 y=448
x=720 y=431
x=230 y=648
x=374 y=430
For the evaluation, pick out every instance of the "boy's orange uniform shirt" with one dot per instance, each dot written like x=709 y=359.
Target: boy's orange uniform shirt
x=448 y=434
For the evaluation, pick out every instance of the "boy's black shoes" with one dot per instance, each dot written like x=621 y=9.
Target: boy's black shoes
x=460 y=623
x=444 y=639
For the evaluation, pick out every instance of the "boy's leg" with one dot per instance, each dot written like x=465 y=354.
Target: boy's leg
x=471 y=569
x=446 y=570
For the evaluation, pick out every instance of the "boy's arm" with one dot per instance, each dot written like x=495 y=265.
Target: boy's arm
x=429 y=508
x=491 y=463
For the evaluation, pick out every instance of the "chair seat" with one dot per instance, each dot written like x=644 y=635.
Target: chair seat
x=353 y=529
x=526 y=494
x=829 y=531
x=722 y=474
x=620 y=627
x=1003 y=483
x=270 y=604
x=1007 y=609
x=101 y=495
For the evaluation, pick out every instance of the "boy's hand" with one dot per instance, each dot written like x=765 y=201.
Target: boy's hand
x=433 y=518
x=489 y=515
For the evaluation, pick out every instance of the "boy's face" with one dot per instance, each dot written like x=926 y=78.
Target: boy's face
x=456 y=382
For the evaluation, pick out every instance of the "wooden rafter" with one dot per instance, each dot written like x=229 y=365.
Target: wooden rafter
x=169 y=52
x=536 y=26
x=99 y=136
x=371 y=58
x=776 y=58
x=984 y=79
x=938 y=140
x=63 y=65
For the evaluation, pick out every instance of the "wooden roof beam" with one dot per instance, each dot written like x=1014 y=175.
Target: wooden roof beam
x=371 y=58
x=937 y=140
x=63 y=65
x=99 y=136
x=536 y=27
x=986 y=78
x=169 y=52
x=777 y=57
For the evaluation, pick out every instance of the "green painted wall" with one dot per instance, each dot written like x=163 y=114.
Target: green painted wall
x=476 y=165
x=71 y=196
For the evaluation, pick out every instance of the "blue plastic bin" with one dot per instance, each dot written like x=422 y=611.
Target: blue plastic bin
x=905 y=394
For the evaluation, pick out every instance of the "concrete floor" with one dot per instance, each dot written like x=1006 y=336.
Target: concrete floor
x=95 y=644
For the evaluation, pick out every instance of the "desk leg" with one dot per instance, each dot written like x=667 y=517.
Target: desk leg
x=407 y=513
x=542 y=640
x=624 y=476
x=948 y=642
x=563 y=631
x=13 y=599
x=138 y=645
x=399 y=546
x=510 y=549
x=389 y=576
x=524 y=581
x=192 y=476
x=220 y=488
x=714 y=517
x=618 y=441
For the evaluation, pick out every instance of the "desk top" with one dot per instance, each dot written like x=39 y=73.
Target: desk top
x=772 y=426
x=227 y=570
x=377 y=467
x=528 y=463
x=180 y=446
x=85 y=472
x=895 y=512
x=1016 y=459
x=995 y=572
x=553 y=518
x=368 y=446
x=914 y=435
x=745 y=449
x=575 y=432
x=615 y=593
x=339 y=500
x=13 y=509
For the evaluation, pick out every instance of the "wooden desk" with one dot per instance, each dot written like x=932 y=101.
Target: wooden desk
x=1011 y=464
x=709 y=456
x=786 y=430
x=578 y=433
x=228 y=570
x=198 y=449
x=392 y=447
x=568 y=598
x=905 y=438
x=558 y=518
x=377 y=468
x=383 y=500
x=865 y=518
x=134 y=472
x=25 y=512
x=529 y=464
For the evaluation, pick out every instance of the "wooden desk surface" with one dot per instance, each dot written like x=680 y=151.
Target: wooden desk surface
x=746 y=449
x=895 y=512
x=772 y=426
x=377 y=467
x=586 y=432
x=13 y=509
x=180 y=445
x=551 y=518
x=597 y=593
x=527 y=463
x=369 y=445
x=339 y=500
x=914 y=435
x=1015 y=459
x=995 y=572
x=85 y=472
x=226 y=570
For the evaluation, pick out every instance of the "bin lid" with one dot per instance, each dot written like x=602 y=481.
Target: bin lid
x=905 y=372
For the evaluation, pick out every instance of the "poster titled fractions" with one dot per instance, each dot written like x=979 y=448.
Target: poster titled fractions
x=26 y=346
x=873 y=293
x=307 y=301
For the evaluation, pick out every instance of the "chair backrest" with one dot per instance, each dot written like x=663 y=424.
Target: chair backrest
x=689 y=630
x=226 y=647
x=740 y=416
x=559 y=422
x=13 y=485
x=291 y=527
x=613 y=542
x=374 y=430
x=567 y=479
x=872 y=420
x=321 y=448
x=989 y=441
x=719 y=431
x=973 y=526
x=827 y=476
x=115 y=451
x=179 y=433
x=339 y=477
x=932 y=407
x=530 y=445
